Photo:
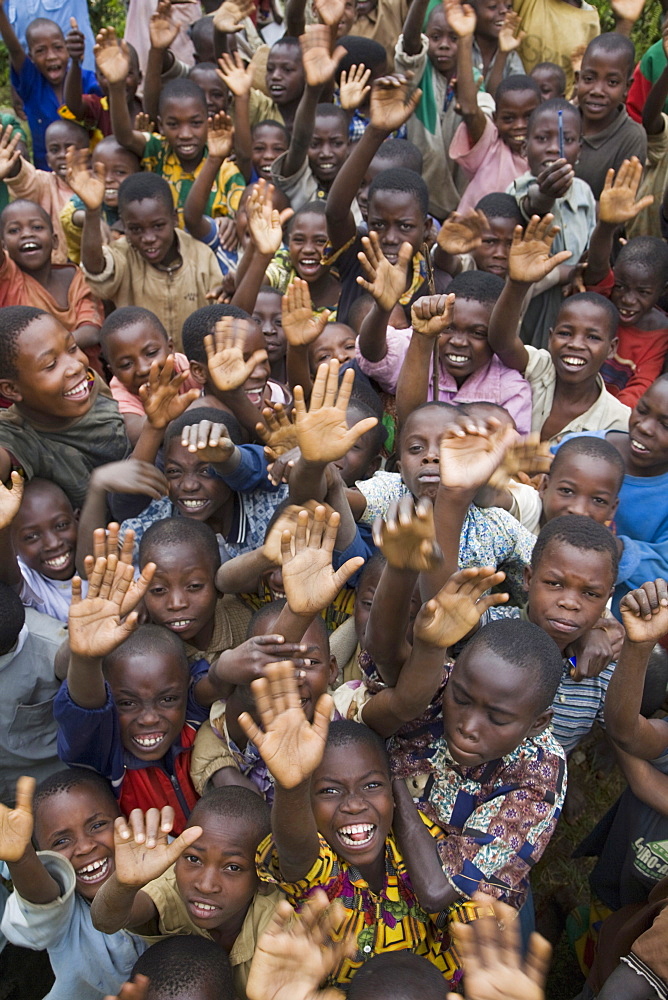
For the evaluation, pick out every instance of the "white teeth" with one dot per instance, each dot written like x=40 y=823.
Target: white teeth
x=638 y=446
x=204 y=906
x=194 y=504
x=346 y=833
x=30 y=246
x=58 y=562
x=79 y=390
x=457 y=358
x=577 y=362
x=94 y=871
x=148 y=741
x=181 y=624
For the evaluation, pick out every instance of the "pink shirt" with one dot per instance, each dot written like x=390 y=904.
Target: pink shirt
x=490 y=164
x=129 y=403
x=493 y=383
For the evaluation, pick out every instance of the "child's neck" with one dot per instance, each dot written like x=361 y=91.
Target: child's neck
x=227 y=934
x=570 y=401
x=488 y=49
x=278 y=371
x=221 y=521
x=205 y=635
x=325 y=290
x=190 y=166
x=593 y=128
x=374 y=873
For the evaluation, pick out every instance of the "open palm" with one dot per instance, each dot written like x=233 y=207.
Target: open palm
x=618 y=198
x=391 y=104
x=16 y=824
x=530 y=260
x=10 y=500
x=95 y=623
x=323 y=434
x=469 y=457
x=137 y=864
x=407 y=537
x=457 y=607
x=301 y=324
x=309 y=579
x=225 y=355
x=278 y=431
x=112 y=56
x=462 y=233
x=385 y=281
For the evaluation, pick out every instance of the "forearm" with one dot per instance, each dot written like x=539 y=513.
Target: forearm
x=467 y=91
x=652 y=118
x=419 y=679
x=148 y=445
x=14 y=48
x=307 y=481
x=444 y=261
x=413 y=381
x=385 y=638
x=346 y=184
x=295 y=832
x=503 y=335
x=302 y=131
x=496 y=75
x=646 y=782
x=337 y=498
x=153 y=82
x=9 y=567
x=92 y=257
x=242 y=574
x=644 y=738
x=536 y=203
x=121 y=125
x=298 y=369
x=373 y=333
x=291 y=626
x=295 y=18
x=72 y=89
x=85 y=681
x=420 y=853
x=600 y=251
x=93 y=515
x=111 y=910
x=87 y=335
x=195 y=205
x=251 y=279
x=413 y=27
x=243 y=141
x=31 y=879
x=450 y=512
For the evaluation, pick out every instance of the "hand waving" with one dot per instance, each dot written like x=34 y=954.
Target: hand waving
x=529 y=258
x=407 y=537
x=354 y=87
x=10 y=500
x=319 y=64
x=510 y=36
x=230 y=14
x=460 y=17
x=225 y=354
x=618 y=198
x=236 y=74
x=471 y=453
x=301 y=324
x=209 y=441
x=162 y=29
x=16 y=824
x=277 y=431
x=265 y=222
x=392 y=102
x=308 y=577
x=462 y=233
x=89 y=183
x=141 y=849
x=9 y=151
x=458 y=606
x=323 y=434
x=385 y=281
x=112 y=56
x=163 y=402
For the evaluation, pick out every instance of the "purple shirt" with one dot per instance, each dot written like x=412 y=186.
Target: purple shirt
x=490 y=165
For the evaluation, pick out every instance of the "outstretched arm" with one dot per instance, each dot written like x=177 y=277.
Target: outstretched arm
x=238 y=78
x=430 y=316
x=617 y=205
x=72 y=88
x=89 y=185
x=10 y=502
x=652 y=118
x=17 y=55
x=386 y=282
x=413 y=27
x=113 y=60
x=219 y=142
x=462 y=20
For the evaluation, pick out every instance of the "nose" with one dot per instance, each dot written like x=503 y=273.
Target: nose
x=207 y=880
x=467 y=727
x=353 y=803
x=457 y=336
x=188 y=483
x=433 y=454
x=176 y=600
x=51 y=540
x=578 y=505
x=148 y=715
x=84 y=845
x=569 y=599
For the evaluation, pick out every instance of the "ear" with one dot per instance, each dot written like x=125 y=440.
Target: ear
x=333 y=669
x=540 y=723
x=613 y=346
x=199 y=372
x=10 y=390
x=526 y=580
x=77 y=514
x=614 y=508
x=543 y=485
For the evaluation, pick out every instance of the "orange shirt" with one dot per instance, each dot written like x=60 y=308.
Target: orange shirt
x=18 y=288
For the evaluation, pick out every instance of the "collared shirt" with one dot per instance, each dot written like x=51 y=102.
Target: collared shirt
x=606 y=413
x=490 y=164
x=621 y=140
x=514 y=65
x=20 y=288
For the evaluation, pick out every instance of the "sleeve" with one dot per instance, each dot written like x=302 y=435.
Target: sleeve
x=361 y=545
x=89 y=736
x=540 y=367
x=29 y=183
x=648 y=955
x=230 y=186
x=379 y=492
x=416 y=63
x=386 y=371
x=471 y=157
x=526 y=506
x=646 y=72
x=39 y=926
x=108 y=281
x=642 y=561
x=268 y=869
x=88 y=307
x=518 y=402
x=251 y=473
x=648 y=368
x=210 y=753
x=25 y=82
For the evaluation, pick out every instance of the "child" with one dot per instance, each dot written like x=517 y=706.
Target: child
x=495 y=43
x=481 y=240
x=117 y=163
x=154 y=262
x=269 y=141
x=458 y=322
x=609 y=135
x=307 y=240
x=91 y=110
x=73 y=816
x=267 y=313
x=62 y=424
x=28 y=276
x=634 y=285
x=568 y=391
x=185 y=965
x=390 y=154
x=550 y=185
x=132 y=340
x=551 y=80
x=208 y=886
x=49 y=188
x=38 y=77
x=284 y=84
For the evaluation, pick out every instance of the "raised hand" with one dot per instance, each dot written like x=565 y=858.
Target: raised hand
x=225 y=354
x=392 y=102
x=162 y=29
x=319 y=64
x=211 y=442
x=309 y=580
x=471 y=453
x=330 y=12
x=276 y=431
x=220 y=137
x=89 y=183
x=107 y=543
x=9 y=151
x=529 y=259
x=75 y=43
x=296 y=954
x=161 y=397
x=458 y=606
x=510 y=35
x=101 y=621
x=323 y=434
x=16 y=824
x=491 y=953
x=529 y=455
x=10 y=500
x=301 y=325
x=291 y=747
x=460 y=17
x=143 y=122
x=627 y=10
x=236 y=74
x=462 y=233
x=618 y=198
x=407 y=537
x=432 y=314
x=645 y=612
x=130 y=476
x=385 y=281
x=265 y=223
x=230 y=14
x=354 y=87
x=287 y=521
x=141 y=849
x=112 y=56
x=137 y=989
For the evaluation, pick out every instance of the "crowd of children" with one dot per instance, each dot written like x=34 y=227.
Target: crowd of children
x=335 y=334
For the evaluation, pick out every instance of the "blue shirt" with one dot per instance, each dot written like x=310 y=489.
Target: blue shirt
x=21 y=12
x=41 y=103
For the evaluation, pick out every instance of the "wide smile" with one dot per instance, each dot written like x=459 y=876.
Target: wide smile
x=309 y=265
x=255 y=396
x=30 y=247
x=152 y=253
x=193 y=506
x=59 y=562
x=572 y=362
x=180 y=624
x=202 y=910
x=80 y=391
x=110 y=195
x=96 y=871
x=149 y=741
x=627 y=315
x=357 y=836
x=638 y=448
x=457 y=360
x=187 y=149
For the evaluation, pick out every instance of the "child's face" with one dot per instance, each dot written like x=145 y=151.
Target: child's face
x=183 y=124
x=315 y=679
x=306 y=243
x=285 y=75
x=463 y=347
x=581 y=485
x=118 y=164
x=580 y=341
x=602 y=86
x=52 y=373
x=492 y=254
x=47 y=49
x=27 y=236
x=44 y=532
x=636 y=291
x=347 y=19
x=182 y=595
x=420 y=449
x=648 y=430
x=397 y=218
x=58 y=138
x=149 y=228
x=490 y=15
x=216 y=875
x=568 y=591
x=131 y=351
x=79 y=824
x=549 y=82
x=150 y=693
x=215 y=91
x=351 y=797
x=328 y=149
x=267 y=314
x=193 y=488
x=443 y=41
x=364 y=600
x=337 y=340
x=543 y=140
x=512 y=117
x=362 y=460
x=269 y=143
x=488 y=708
x=255 y=385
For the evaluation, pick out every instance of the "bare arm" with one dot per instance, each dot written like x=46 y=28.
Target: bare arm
x=504 y=323
x=120 y=121
x=474 y=117
x=419 y=850
x=152 y=85
x=195 y=205
x=413 y=27
x=10 y=503
x=72 y=89
x=340 y=222
x=646 y=782
x=16 y=52
x=430 y=316
x=652 y=119
x=385 y=638
x=302 y=130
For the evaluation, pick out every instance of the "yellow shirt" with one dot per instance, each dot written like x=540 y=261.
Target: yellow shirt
x=554 y=30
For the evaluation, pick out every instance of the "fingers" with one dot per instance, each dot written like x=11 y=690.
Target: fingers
x=25 y=789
